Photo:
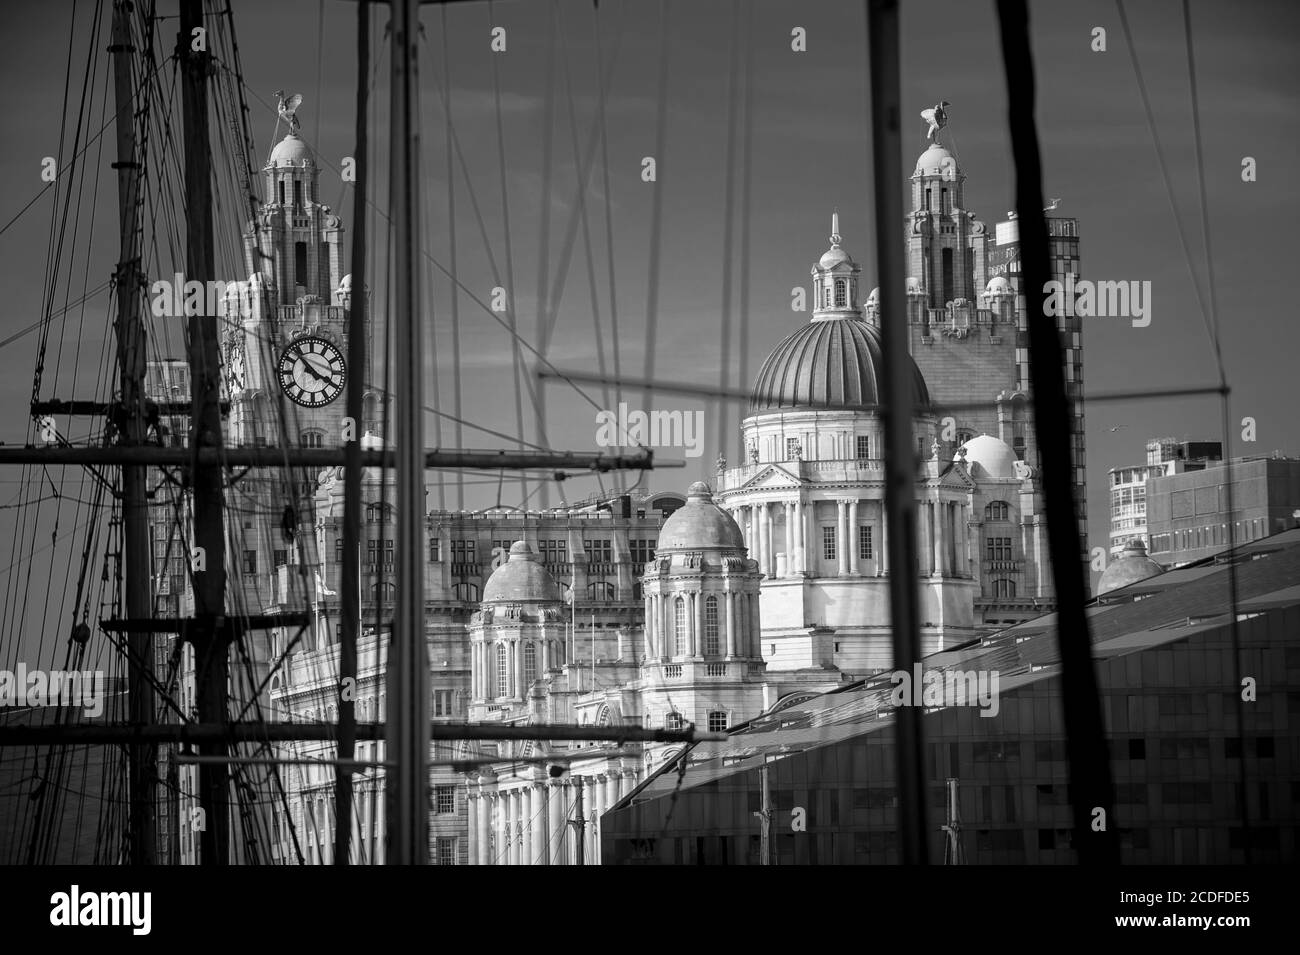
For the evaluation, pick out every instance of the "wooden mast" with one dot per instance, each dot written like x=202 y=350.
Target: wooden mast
x=408 y=659
x=209 y=635
x=131 y=351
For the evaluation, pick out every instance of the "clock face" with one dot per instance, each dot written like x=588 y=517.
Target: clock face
x=312 y=372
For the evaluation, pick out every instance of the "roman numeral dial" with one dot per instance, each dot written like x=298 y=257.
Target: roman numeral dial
x=312 y=372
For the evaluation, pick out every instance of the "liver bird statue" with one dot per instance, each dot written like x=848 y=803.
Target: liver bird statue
x=937 y=119
x=288 y=108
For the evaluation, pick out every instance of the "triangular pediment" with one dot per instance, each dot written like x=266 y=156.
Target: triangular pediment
x=771 y=476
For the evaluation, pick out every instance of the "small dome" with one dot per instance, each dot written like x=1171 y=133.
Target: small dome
x=520 y=579
x=834 y=256
x=833 y=364
x=874 y=297
x=290 y=151
x=998 y=286
x=914 y=286
x=990 y=457
x=935 y=161
x=346 y=281
x=1132 y=566
x=699 y=524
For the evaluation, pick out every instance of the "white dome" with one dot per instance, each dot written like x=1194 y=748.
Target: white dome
x=874 y=297
x=290 y=151
x=935 y=161
x=914 y=286
x=990 y=457
x=998 y=286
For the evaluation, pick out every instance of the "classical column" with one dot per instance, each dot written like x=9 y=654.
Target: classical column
x=611 y=790
x=769 y=540
x=626 y=782
x=521 y=683
x=841 y=533
x=555 y=814
x=697 y=634
x=540 y=831
x=925 y=540
x=937 y=528
x=884 y=542
x=730 y=598
x=598 y=807
x=471 y=831
x=506 y=845
x=648 y=618
x=801 y=561
x=789 y=539
x=853 y=536
x=755 y=634
x=484 y=829
x=665 y=633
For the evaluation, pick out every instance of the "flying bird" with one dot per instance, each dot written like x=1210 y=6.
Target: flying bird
x=289 y=107
x=936 y=117
x=1051 y=204
x=1119 y=427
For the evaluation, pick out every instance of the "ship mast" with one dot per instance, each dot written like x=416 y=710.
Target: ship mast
x=131 y=428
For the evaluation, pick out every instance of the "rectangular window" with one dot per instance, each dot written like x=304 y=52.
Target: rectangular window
x=998 y=548
x=442 y=703
x=717 y=721
x=863 y=447
x=300 y=263
x=828 y=543
x=338 y=550
x=280 y=557
x=864 y=543
x=791 y=448
x=435 y=548
x=250 y=562
x=446 y=850
x=297 y=192
x=446 y=799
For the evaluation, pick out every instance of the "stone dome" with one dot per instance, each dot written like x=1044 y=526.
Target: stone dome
x=832 y=363
x=987 y=456
x=834 y=256
x=521 y=579
x=1132 y=566
x=934 y=161
x=699 y=524
x=290 y=151
x=998 y=285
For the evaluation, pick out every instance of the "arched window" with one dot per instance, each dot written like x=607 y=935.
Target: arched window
x=466 y=592
x=600 y=590
x=383 y=592
x=530 y=663
x=1004 y=588
x=312 y=439
x=503 y=675
x=963 y=436
x=711 y=626
x=996 y=511
x=841 y=293
x=679 y=626
x=673 y=721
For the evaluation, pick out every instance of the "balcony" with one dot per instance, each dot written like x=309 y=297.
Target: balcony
x=673 y=671
x=715 y=669
x=600 y=568
x=1012 y=566
x=465 y=569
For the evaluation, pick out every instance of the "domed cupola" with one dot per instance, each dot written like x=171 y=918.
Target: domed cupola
x=700 y=525
x=1132 y=567
x=521 y=579
x=835 y=361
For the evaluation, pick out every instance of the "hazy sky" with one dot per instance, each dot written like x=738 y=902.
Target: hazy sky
x=810 y=153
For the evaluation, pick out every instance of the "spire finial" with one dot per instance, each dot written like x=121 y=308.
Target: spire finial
x=835 y=228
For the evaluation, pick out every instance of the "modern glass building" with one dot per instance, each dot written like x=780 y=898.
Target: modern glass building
x=1170 y=695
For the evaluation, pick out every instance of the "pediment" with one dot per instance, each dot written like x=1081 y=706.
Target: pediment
x=772 y=476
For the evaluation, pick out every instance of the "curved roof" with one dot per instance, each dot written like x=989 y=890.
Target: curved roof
x=290 y=151
x=1132 y=566
x=834 y=256
x=833 y=363
x=699 y=524
x=934 y=161
x=522 y=578
x=993 y=455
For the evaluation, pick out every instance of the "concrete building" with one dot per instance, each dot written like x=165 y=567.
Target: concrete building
x=1188 y=517
x=1128 y=485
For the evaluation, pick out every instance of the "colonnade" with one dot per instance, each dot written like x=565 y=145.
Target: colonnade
x=548 y=650
x=530 y=824
x=737 y=624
